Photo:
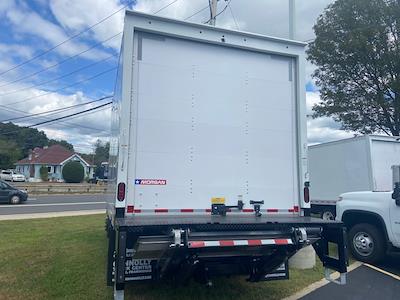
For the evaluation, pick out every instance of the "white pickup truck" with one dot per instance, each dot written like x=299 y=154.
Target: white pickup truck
x=373 y=223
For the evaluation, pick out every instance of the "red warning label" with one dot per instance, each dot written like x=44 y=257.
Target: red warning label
x=151 y=181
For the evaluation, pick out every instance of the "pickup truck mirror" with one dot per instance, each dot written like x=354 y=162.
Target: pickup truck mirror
x=396 y=193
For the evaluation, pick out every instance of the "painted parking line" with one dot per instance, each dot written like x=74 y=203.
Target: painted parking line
x=52 y=204
x=383 y=271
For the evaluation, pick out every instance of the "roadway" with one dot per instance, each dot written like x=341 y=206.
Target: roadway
x=55 y=203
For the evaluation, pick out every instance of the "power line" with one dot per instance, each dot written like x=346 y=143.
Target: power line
x=61 y=118
x=63 y=42
x=62 y=88
x=71 y=115
x=56 y=110
x=196 y=13
x=78 y=54
x=67 y=124
x=57 y=78
x=61 y=61
x=233 y=16
x=222 y=11
x=74 y=125
x=164 y=7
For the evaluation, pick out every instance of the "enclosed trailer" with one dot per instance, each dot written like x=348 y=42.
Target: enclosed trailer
x=208 y=156
x=361 y=163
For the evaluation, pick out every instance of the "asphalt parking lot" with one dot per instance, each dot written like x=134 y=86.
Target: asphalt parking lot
x=367 y=283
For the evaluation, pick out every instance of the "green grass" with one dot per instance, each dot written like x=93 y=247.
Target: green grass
x=65 y=258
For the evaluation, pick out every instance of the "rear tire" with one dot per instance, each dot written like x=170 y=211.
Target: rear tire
x=15 y=199
x=366 y=243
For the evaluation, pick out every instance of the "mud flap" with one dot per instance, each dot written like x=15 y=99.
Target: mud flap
x=333 y=237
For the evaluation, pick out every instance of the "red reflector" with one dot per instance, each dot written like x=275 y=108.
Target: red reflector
x=130 y=209
x=121 y=191
x=306 y=194
x=296 y=209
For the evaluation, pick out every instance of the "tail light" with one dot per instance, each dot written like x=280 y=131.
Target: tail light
x=306 y=192
x=121 y=191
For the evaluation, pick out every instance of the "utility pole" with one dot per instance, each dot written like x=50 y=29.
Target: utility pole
x=213 y=12
x=292 y=19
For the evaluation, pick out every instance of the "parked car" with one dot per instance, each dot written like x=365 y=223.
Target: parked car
x=11 y=175
x=10 y=194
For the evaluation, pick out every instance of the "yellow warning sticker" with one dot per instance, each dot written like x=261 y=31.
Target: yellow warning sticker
x=218 y=200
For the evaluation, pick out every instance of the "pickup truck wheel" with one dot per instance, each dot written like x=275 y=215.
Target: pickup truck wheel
x=15 y=199
x=328 y=214
x=366 y=243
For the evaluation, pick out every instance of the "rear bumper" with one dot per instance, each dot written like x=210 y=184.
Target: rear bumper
x=154 y=248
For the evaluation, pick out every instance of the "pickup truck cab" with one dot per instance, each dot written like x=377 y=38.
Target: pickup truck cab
x=11 y=175
x=373 y=223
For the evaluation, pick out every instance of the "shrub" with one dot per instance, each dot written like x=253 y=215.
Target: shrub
x=44 y=173
x=73 y=172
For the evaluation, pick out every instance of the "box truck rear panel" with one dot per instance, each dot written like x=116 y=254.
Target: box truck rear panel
x=212 y=121
x=338 y=167
x=385 y=153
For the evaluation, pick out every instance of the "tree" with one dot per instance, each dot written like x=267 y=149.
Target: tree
x=44 y=173
x=101 y=152
x=73 y=172
x=24 y=137
x=17 y=141
x=357 y=54
x=63 y=143
x=9 y=154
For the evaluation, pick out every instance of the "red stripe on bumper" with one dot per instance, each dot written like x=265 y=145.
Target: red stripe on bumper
x=254 y=242
x=281 y=242
x=197 y=244
x=226 y=243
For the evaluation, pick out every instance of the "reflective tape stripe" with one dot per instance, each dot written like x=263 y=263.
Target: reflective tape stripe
x=131 y=209
x=230 y=243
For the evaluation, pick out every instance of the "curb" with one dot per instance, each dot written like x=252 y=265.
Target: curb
x=51 y=214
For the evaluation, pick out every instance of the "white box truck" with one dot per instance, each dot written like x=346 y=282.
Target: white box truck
x=208 y=156
x=361 y=163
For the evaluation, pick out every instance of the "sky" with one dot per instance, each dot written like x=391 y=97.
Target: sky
x=36 y=75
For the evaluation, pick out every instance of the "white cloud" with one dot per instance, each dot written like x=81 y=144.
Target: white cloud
x=78 y=15
x=18 y=50
x=29 y=22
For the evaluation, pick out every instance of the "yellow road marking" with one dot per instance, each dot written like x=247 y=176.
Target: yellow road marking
x=382 y=271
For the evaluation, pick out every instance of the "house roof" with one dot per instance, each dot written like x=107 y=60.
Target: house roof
x=53 y=155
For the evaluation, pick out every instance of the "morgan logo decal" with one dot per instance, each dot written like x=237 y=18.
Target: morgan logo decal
x=151 y=181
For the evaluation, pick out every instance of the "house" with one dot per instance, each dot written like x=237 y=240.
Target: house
x=54 y=158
